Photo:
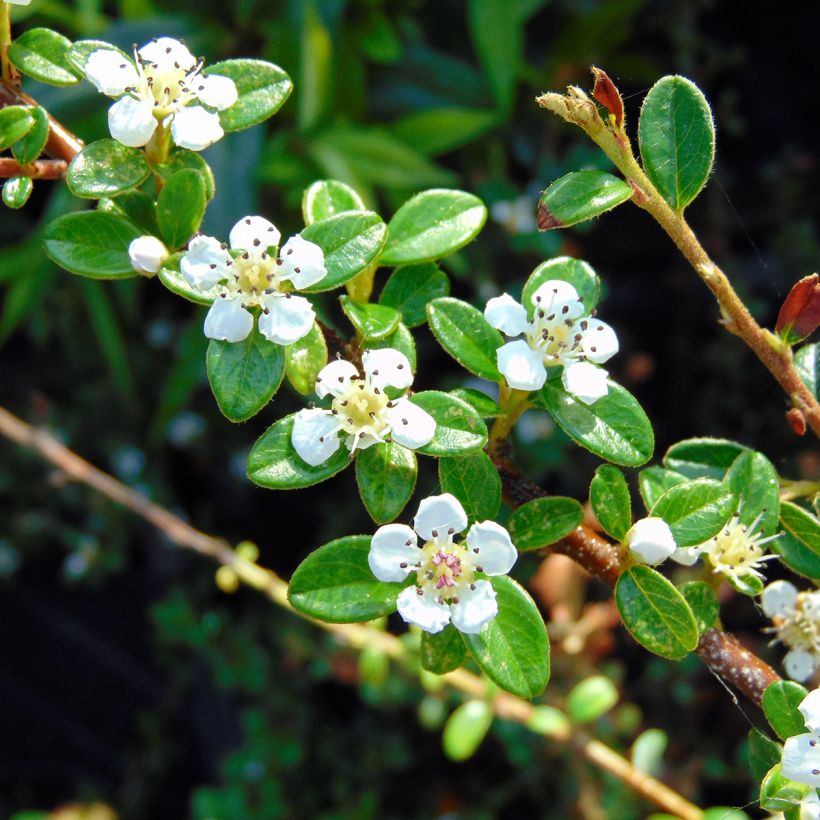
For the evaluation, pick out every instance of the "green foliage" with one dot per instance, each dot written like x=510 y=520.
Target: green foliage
x=329 y=197
x=799 y=545
x=703 y=602
x=41 y=53
x=29 y=147
x=443 y=651
x=466 y=728
x=591 y=698
x=777 y=793
x=764 y=753
x=16 y=191
x=753 y=480
x=170 y=276
x=486 y=407
x=263 y=88
x=106 y=168
x=807 y=362
x=543 y=521
x=780 y=702
x=609 y=497
x=409 y=289
x=474 y=481
x=371 y=321
x=15 y=122
x=386 y=475
x=702 y=457
x=654 y=481
x=181 y=206
x=459 y=428
x=183 y=159
x=566 y=269
x=579 y=196
x=696 y=510
x=304 y=359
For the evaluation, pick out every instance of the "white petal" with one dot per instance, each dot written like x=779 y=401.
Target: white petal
x=411 y=426
x=18 y=2
x=423 y=610
x=558 y=297
x=132 y=122
x=650 y=540
x=778 y=598
x=110 y=72
x=255 y=234
x=332 y=377
x=801 y=759
x=686 y=556
x=474 y=608
x=521 y=366
x=195 y=128
x=216 y=91
x=810 y=806
x=799 y=664
x=166 y=53
x=811 y=605
x=228 y=320
x=439 y=513
x=285 y=318
x=810 y=709
x=303 y=262
x=147 y=254
x=391 y=546
x=493 y=549
x=585 y=381
x=205 y=263
x=387 y=367
x=314 y=436
x=598 y=340
x=504 y=313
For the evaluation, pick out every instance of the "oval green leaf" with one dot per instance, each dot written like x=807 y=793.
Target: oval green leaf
x=799 y=546
x=609 y=497
x=410 y=288
x=328 y=197
x=41 y=53
x=696 y=510
x=15 y=122
x=591 y=698
x=654 y=481
x=443 y=651
x=753 y=479
x=543 y=521
x=459 y=428
x=181 y=206
x=304 y=359
x=486 y=407
x=30 y=147
x=780 y=702
x=807 y=362
x=703 y=602
x=466 y=728
x=16 y=192
x=578 y=273
x=386 y=476
x=703 y=457
x=183 y=159
x=371 y=321
x=475 y=482
x=579 y=196
x=106 y=168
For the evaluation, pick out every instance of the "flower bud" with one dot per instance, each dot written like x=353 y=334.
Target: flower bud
x=650 y=541
x=800 y=314
x=606 y=93
x=147 y=254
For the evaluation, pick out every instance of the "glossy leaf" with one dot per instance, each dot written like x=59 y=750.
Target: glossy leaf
x=807 y=362
x=304 y=359
x=182 y=159
x=763 y=753
x=371 y=321
x=780 y=702
x=410 y=288
x=543 y=521
x=106 y=168
x=591 y=698
x=386 y=475
x=15 y=122
x=434 y=131
x=609 y=497
x=443 y=651
x=799 y=546
x=29 y=147
x=466 y=728
x=753 y=480
x=779 y=794
x=579 y=196
x=328 y=197
x=135 y=206
x=486 y=407
x=475 y=482
x=180 y=207
x=702 y=457
x=459 y=428
x=41 y=53
x=654 y=481
x=696 y=510
x=703 y=602
x=16 y=191
x=575 y=271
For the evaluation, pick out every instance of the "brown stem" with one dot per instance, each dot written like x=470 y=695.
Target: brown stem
x=39 y=169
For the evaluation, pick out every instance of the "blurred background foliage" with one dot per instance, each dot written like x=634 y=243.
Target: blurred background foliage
x=126 y=676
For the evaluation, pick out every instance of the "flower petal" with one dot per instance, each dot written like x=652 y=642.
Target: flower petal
x=392 y=546
x=217 y=91
x=387 y=367
x=285 y=318
x=332 y=378
x=810 y=709
x=437 y=514
x=424 y=610
x=801 y=759
x=166 y=53
x=132 y=122
x=687 y=556
x=521 y=366
x=314 y=436
x=411 y=426
x=228 y=320
x=504 y=313
x=205 y=263
x=474 y=608
x=560 y=298
x=110 y=72
x=302 y=262
x=254 y=234
x=147 y=254
x=799 y=664
x=585 y=381
x=778 y=598
x=650 y=540
x=598 y=340
x=195 y=128
x=493 y=548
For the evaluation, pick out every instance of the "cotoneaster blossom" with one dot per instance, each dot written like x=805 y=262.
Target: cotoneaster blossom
x=361 y=413
x=164 y=85
x=448 y=585
x=560 y=333
x=796 y=619
x=147 y=253
x=650 y=540
x=801 y=753
x=254 y=275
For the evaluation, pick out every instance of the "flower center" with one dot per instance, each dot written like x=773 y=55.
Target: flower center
x=253 y=275
x=736 y=546
x=446 y=568
x=171 y=88
x=361 y=407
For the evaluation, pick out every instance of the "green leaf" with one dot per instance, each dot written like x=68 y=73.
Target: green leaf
x=702 y=457
x=440 y=130
x=431 y=225
x=386 y=475
x=92 y=243
x=334 y=583
x=575 y=271
x=754 y=481
x=172 y=278
x=807 y=362
x=591 y=698
x=304 y=359
x=443 y=651
x=182 y=159
x=350 y=241
x=779 y=794
x=16 y=191
x=371 y=321
x=466 y=335
x=549 y=721
x=512 y=649
x=696 y=510
x=750 y=585
x=579 y=196
x=799 y=546
x=677 y=139
x=15 y=122
x=475 y=482
x=543 y=521
x=466 y=728
x=486 y=407
x=263 y=88
x=29 y=147
x=244 y=375
x=609 y=497
x=273 y=463
x=410 y=288
x=703 y=602
x=135 y=206
x=459 y=428
x=180 y=207
x=654 y=481
x=615 y=427
x=400 y=339
x=328 y=197
x=763 y=753
x=780 y=702
x=655 y=613
x=106 y=168
x=40 y=53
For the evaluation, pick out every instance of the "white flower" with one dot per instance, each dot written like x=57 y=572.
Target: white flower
x=361 y=411
x=810 y=806
x=801 y=753
x=254 y=276
x=796 y=619
x=18 y=2
x=164 y=85
x=447 y=585
x=147 y=254
x=650 y=540
x=559 y=334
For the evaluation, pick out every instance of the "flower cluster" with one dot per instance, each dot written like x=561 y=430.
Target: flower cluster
x=158 y=88
x=448 y=587
x=361 y=413
x=801 y=753
x=560 y=333
x=254 y=275
x=796 y=619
